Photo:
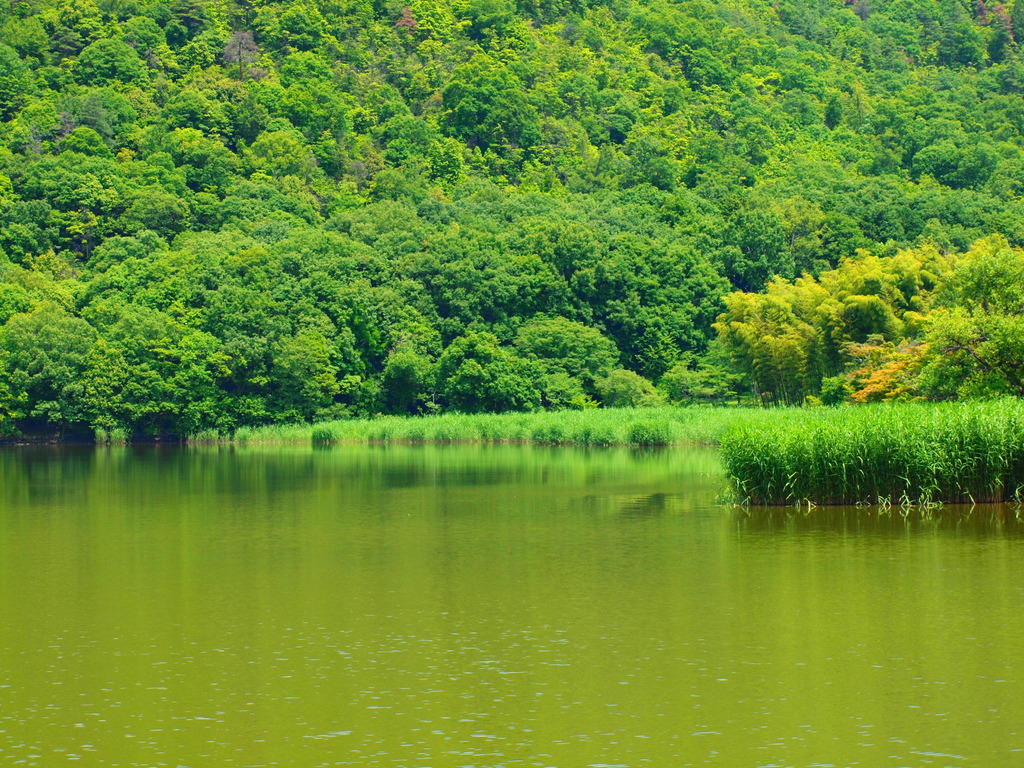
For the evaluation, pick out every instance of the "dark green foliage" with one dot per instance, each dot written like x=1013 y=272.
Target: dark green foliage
x=264 y=212
x=476 y=374
x=569 y=347
x=487 y=106
x=44 y=358
x=408 y=380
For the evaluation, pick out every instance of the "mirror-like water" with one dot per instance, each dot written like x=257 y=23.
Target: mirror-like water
x=434 y=607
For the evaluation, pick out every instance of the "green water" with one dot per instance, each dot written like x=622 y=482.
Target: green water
x=427 y=607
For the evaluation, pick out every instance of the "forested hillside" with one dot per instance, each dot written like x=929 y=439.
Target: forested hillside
x=217 y=213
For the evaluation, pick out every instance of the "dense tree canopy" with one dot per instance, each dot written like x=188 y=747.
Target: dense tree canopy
x=217 y=214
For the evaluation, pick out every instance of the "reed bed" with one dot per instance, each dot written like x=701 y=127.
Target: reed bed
x=892 y=454
x=612 y=426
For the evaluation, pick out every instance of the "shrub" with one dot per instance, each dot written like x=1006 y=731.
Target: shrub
x=649 y=433
x=323 y=435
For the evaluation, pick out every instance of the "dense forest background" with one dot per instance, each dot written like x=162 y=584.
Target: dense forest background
x=217 y=213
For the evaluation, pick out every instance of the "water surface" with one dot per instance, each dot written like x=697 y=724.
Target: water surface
x=435 y=607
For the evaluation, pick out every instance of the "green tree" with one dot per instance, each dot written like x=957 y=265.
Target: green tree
x=109 y=61
x=85 y=141
x=15 y=82
x=759 y=253
x=976 y=338
x=486 y=106
x=44 y=357
x=690 y=381
x=281 y=153
x=622 y=388
x=74 y=25
x=154 y=209
x=409 y=379
x=567 y=346
x=477 y=374
x=305 y=375
x=14 y=299
x=207 y=163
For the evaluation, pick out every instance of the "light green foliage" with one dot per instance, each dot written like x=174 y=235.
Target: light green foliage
x=107 y=62
x=604 y=426
x=835 y=390
x=156 y=210
x=14 y=299
x=85 y=141
x=976 y=339
x=207 y=163
x=28 y=37
x=280 y=153
x=622 y=388
x=788 y=339
x=308 y=377
x=15 y=82
x=192 y=109
x=706 y=382
x=561 y=390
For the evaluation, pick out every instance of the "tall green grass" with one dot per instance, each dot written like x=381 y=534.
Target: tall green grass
x=612 y=426
x=894 y=454
x=115 y=436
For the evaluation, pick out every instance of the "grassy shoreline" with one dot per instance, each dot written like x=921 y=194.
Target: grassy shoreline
x=898 y=454
x=602 y=427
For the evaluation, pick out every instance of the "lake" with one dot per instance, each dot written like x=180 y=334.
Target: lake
x=489 y=606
